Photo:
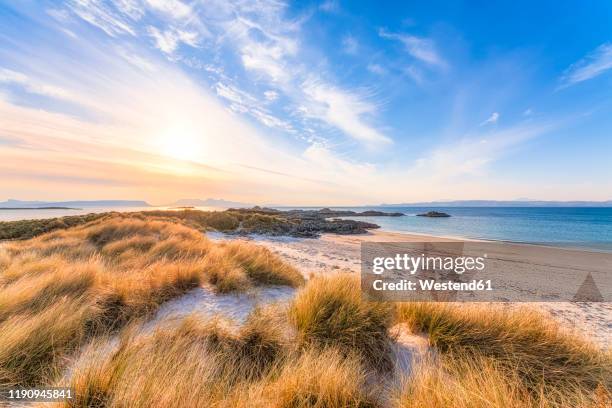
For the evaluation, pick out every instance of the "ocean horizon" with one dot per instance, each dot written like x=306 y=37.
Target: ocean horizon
x=585 y=227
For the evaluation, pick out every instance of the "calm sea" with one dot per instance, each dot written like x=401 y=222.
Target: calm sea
x=588 y=227
x=584 y=227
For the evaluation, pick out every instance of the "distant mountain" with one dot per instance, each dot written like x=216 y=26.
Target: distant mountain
x=512 y=203
x=10 y=203
x=209 y=202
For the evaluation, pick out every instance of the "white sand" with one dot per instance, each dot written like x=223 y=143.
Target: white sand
x=341 y=253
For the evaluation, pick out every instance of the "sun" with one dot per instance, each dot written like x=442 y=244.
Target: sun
x=181 y=141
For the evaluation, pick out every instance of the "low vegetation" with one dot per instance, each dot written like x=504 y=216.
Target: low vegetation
x=198 y=364
x=330 y=312
x=73 y=302
x=62 y=288
x=279 y=360
x=26 y=229
x=504 y=358
x=239 y=221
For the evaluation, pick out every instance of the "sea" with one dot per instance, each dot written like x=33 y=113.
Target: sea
x=574 y=226
x=585 y=227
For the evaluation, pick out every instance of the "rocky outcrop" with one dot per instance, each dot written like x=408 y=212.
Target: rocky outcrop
x=302 y=223
x=434 y=214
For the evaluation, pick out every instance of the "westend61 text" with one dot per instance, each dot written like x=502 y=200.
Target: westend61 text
x=432 y=285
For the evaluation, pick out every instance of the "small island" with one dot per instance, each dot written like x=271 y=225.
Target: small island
x=434 y=214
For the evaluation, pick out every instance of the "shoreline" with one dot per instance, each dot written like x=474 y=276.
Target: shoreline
x=332 y=254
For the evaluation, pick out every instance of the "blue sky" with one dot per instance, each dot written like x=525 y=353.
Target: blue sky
x=305 y=103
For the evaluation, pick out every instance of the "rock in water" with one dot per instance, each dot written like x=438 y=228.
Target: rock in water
x=434 y=214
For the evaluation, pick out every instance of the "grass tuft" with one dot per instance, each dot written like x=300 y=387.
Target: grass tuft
x=522 y=345
x=330 y=311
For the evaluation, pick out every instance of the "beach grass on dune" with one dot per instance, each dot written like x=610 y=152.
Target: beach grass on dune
x=203 y=363
x=330 y=311
x=224 y=221
x=82 y=294
x=461 y=381
x=62 y=288
x=264 y=362
x=540 y=362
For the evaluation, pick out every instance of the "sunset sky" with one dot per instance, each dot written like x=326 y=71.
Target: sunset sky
x=307 y=103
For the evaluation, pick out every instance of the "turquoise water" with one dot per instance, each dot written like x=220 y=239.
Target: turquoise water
x=588 y=227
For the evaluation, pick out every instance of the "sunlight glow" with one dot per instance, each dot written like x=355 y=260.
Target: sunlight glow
x=181 y=141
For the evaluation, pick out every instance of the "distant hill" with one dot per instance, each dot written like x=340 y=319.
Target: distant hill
x=10 y=203
x=512 y=203
x=209 y=202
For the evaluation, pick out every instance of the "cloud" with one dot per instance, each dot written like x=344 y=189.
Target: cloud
x=32 y=86
x=594 y=64
x=243 y=102
x=330 y=6
x=491 y=119
x=471 y=154
x=101 y=15
x=265 y=59
x=528 y=112
x=268 y=43
x=376 y=69
x=423 y=49
x=271 y=95
x=343 y=110
x=169 y=40
x=173 y=8
x=350 y=45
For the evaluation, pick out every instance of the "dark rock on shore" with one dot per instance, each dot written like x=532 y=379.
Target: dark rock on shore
x=434 y=214
x=347 y=213
x=299 y=223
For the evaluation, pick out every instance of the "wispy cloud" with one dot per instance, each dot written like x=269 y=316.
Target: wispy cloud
x=594 y=64
x=31 y=85
x=173 y=8
x=330 y=6
x=491 y=120
x=344 y=110
x=423 y=49
x=102 y=15
x=243 y=102
x=169 y=40
x=376 y=69
x=472 y=154
x=350 y=45
x=271 y=95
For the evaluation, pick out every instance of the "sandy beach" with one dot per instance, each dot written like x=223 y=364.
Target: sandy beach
x=332 y=253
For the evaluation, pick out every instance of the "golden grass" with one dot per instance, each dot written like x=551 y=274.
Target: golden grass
x=479 y=382
x=486 y=349
x=108 y=272
x=328 y=349
x=205 y=364
x=330 y=311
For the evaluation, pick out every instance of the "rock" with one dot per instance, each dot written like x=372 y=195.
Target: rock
x=434 y=214
x=371 y=213
x=298 y=223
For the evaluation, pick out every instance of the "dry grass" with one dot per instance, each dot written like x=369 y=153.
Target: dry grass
x=61 y=288
x=328 y=349
x=480 y=382
x=485 y=347
x=330 y=311
x=206 y=364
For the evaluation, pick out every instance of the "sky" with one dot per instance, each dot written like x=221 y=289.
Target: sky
x=305 y=103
